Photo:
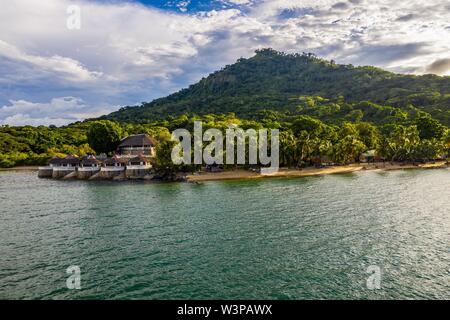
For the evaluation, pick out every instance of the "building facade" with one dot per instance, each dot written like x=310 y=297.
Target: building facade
x=140 y=144
x=134 y=159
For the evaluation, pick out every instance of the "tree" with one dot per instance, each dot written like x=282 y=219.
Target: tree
x=313 y=126
x=401 y=144
x=368 y=134
x=164 y=154
x=159 y=133
x=429 y=128
x=355 y=115
x=348 y=150
x=446 y=142
x=348 y=129
x=104 y=136
x=305 y=147
x=164 y=164
x=429 y=149
x=287 y=148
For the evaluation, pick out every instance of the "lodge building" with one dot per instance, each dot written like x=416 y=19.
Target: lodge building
x=140 y=144
x=134 y=158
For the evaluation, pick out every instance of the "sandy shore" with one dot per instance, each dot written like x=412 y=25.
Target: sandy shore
x=283 y=172
x=24 y=168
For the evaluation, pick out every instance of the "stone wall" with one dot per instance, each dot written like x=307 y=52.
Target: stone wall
x=84 y=175
x=110 y=174
x=58 y=174
x=136 y=173
x=45 y=173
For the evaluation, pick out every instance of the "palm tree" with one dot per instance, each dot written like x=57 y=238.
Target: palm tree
x=403 y=142
x=446 y=141
x=348 y=149
x=305 y=147
x=288 y=148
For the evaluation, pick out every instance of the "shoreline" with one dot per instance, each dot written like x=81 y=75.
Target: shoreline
x=22 y=168
x=241 y=174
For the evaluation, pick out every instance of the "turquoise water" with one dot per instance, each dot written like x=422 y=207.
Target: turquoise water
x=303 y=238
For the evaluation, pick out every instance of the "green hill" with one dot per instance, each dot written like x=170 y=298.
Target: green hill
x=322 y=109
x=272 y=80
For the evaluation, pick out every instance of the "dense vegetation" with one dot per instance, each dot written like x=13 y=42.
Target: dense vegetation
x=303 y=139
x=35 y=145
x=272 y=80
x=323 y=110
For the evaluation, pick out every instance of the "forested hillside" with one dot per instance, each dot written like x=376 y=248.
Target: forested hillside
x=272 y=80
x=322 y=109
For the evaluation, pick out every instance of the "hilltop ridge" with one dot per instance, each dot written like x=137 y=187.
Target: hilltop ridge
x=272 y=80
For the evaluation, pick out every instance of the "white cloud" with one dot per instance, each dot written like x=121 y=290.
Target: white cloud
x=59 y=111
x=126 y=53
x=20 y=119
x=183 y=5
x=71 y=69
x=440 y=66
x=239 y=2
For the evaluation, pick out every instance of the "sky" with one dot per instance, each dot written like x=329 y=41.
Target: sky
x=63 y=61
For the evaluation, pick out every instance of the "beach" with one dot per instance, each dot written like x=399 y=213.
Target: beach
x=291 y=172
x=311 y=171
x=23 y=168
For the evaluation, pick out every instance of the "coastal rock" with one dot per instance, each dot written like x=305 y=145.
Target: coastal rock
x=120 y=177
x=45 y=172
x=96 y=176
x=69 y=176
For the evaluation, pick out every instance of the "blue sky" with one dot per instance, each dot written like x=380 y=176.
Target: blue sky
x=191 y=6
x=127 y=52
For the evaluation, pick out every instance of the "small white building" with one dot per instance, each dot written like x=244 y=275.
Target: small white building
x=138 y=166
x=90 y=163
x=115 y=163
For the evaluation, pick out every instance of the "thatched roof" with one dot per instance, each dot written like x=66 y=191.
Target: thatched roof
x=55 y=160
x=138 y=140
x=90 y=160
x=115 y=159
x=70 y=159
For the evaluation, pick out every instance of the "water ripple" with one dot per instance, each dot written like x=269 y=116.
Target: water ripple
x=279 y=238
